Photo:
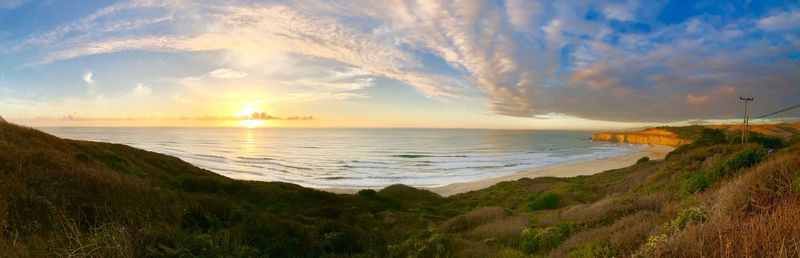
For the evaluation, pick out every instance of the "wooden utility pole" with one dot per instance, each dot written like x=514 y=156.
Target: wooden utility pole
x=746 y=119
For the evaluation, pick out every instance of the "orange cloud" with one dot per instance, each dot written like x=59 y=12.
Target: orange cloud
x=593 y=78
x=696 y=100
x=727 y=90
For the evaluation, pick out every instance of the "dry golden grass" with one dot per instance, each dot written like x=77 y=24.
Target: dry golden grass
x=474 y=218
x=754 y=215
x=624 y=236
x=504 y=231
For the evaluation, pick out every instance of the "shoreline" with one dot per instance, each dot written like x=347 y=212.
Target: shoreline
x=569 y=169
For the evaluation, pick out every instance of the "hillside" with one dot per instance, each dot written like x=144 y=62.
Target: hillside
x=76 y=198
x=679 y=135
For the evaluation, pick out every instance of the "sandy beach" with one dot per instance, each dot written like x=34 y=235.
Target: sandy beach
x=562 y=170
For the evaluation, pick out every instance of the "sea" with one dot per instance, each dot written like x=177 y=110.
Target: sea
x=359 y=158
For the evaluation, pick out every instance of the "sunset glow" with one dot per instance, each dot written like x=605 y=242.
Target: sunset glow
x=512 y=64
x=399 y=128
x=251 y=123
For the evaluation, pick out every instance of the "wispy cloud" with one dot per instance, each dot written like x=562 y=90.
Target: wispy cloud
x=91 y=84
x=11 y=4
x=141 y=90
x=781 y=22
x=522 y=58
x=227 y=73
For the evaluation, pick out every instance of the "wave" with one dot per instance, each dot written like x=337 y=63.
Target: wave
x=255 y=158
x=417 y=156
x=377 y=159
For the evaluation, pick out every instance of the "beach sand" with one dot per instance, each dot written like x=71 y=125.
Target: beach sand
x=572 y=169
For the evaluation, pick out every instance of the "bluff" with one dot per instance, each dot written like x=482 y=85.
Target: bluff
x=680 y=135
x=648 y=136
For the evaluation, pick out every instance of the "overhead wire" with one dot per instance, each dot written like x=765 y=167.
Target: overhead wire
x=780 y=111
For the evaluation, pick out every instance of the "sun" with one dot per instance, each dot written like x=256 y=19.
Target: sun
x=246 y=112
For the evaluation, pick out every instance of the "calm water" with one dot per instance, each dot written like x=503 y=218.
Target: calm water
x=358 y=158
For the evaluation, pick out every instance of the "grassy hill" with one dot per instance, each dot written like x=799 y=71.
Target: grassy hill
x=709 y=198
x=765 y=134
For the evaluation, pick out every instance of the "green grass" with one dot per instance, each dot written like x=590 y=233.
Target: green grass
x=75 y=198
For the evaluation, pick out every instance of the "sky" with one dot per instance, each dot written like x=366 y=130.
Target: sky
x=518 y=64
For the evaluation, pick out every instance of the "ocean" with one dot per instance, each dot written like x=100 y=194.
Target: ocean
x=359 y=158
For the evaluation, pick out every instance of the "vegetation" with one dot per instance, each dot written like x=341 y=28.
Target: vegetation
x=544 y=201
x=710 y=198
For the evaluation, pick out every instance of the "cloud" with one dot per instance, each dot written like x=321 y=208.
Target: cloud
x=780 y=22
x=90 y=82
x=696 y=100
x=227 y=73
x=141 y=90
x=514 y=56
x=11 y=4
x=726 y=90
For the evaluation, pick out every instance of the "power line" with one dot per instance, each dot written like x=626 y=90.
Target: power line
x=780 y=111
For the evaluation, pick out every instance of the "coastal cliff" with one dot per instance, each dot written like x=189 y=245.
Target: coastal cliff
x=681 y=135
x=648 y=136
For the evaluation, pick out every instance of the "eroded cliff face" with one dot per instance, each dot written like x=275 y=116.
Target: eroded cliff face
x=648 y=136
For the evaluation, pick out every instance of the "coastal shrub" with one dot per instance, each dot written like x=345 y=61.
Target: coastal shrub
x=705 y=177
x=794 y=140
x=407 y=194
x=796 y=182
x=335 y=242
x=710 y=137
x=643 y=160
x=368 y=193
x=766 y=141
x=82 y=157
x=705 y=137
x=696 y=181
x=201 y=184
x=539 y=240
x=115 y=162
x=742 y=159
x=435 y=245
x=474 y=218
x=688 y=216
x=591 y=250
x=545 y=201
x=388 y=202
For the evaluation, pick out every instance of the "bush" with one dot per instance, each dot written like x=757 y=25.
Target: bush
x=710 y=137
x=767 y=141
x=643 y=160
x=544 y=201
x=388 y=202
x=696 y=181
x=704 y=178
x=367 y=193
x=706 y=137
x=437 y=245
x=688 y=216
x=535 y=240
x=742 y=159
x=591 y=250
x=410 y=195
